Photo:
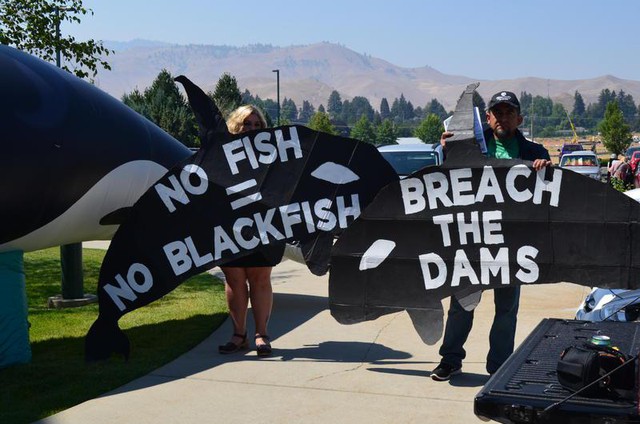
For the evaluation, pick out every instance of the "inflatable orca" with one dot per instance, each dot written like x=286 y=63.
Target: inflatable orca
x=477 y=223
x=72 y=157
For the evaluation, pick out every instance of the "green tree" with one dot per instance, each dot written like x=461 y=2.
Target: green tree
x=359 y=107
x=578 y=105
x=596 y=110
x=386 y=133
x=526 y=100
x=401 y=110
x=227 y=95
x=559 y=117
x=363 y=130
x=385 y=112
x=616 y=135
x=288 y=112
x=430 y=129
x=435 y=107
x=579 y=110
x=33 y=26
x=334 y=104
x=627 y=106
x=320 y=122
x=306 y=111
x=163 y=104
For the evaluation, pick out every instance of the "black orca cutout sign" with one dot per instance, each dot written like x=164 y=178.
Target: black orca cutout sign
x=238 y=194
x=475 y=224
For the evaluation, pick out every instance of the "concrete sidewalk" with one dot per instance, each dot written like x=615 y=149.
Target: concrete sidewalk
x=321 y=371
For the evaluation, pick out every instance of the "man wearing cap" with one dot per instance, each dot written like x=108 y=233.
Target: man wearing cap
x=504 y=141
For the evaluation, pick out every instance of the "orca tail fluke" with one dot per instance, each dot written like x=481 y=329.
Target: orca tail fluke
x=104 y=339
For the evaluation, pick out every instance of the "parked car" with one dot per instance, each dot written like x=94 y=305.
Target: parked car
x=633 y=163
x=570 y=147
x=629 y=152
x=583 y=162
x=408 y=158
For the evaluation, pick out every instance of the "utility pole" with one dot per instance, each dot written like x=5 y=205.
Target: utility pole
x=70 y=254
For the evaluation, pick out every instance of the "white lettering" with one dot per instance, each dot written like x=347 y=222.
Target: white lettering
x=460 y=185
x=512 y=174
x=176 y=192
x=431 y=282
x=525 y=258
x=492 y=227
x=462 y=268
x=176 y=253
x=437 y=185
x=552 y=187
x=494 y=265
x=412 y=191
x=471 y=227
x=233 y=155
x=489 y=186
x=292 y=143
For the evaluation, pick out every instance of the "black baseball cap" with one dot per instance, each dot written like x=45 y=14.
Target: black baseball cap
x=504 y=97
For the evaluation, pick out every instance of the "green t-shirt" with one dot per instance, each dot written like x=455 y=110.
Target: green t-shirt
x=504 y=149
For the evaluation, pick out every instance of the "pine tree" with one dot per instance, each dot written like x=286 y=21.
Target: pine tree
x=306 y=111
x=227 y=94
x=435 y=107
x=385 y=112
x=386 y=133
x=163 y=104
x=334 y=105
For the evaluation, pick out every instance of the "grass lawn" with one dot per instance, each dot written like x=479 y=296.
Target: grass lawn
x=58 y=378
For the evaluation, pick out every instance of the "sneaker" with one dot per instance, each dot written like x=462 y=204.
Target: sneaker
x=443 y=372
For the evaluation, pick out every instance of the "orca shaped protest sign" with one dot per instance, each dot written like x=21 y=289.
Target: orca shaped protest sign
x=475 y=224
x=236 y=195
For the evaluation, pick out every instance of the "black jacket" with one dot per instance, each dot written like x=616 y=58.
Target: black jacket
x=528 y=149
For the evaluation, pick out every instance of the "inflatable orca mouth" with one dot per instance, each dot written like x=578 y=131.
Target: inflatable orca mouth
x=72 y=154
x=116 y=217
x=97 y=214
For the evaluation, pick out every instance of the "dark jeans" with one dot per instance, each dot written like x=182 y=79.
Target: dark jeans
x=501 y=337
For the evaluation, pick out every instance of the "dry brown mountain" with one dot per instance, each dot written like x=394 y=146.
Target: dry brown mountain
x=311 y=72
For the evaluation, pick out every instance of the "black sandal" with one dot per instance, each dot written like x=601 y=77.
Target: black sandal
x=264 y=349
x=231 y=347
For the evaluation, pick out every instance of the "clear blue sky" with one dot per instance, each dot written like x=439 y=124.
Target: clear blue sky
x=494 y=39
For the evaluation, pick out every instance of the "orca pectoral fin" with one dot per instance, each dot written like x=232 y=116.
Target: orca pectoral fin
x=428 y=322
x=468 y=298
x=317 y=253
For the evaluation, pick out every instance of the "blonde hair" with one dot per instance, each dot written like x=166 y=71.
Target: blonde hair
x=237 y=117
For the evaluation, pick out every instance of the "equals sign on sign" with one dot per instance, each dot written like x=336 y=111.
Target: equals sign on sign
x=245 y=189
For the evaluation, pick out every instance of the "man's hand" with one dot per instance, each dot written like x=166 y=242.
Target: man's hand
x=538 y=164
x=444 y=136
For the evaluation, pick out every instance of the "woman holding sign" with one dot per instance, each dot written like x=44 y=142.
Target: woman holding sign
x=249 y=278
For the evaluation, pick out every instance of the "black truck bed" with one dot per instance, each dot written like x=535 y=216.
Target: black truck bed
x=526 y=384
